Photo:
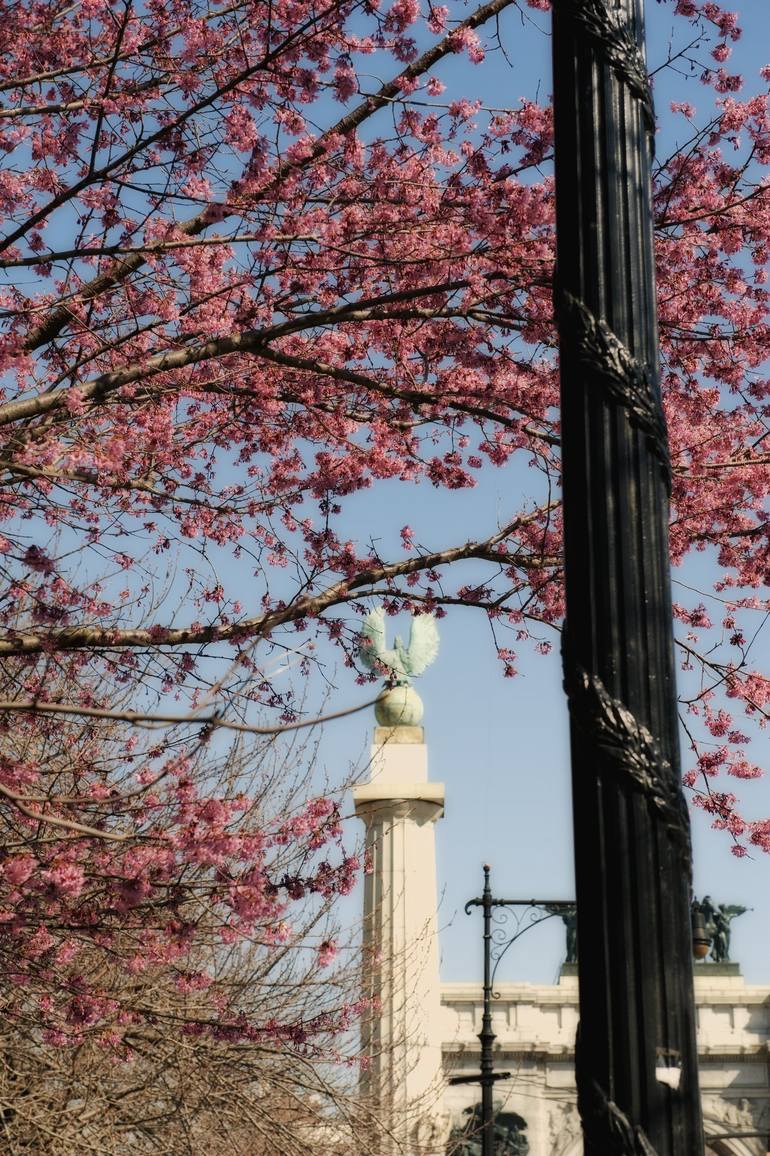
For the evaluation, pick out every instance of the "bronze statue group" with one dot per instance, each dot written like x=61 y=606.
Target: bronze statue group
x=717 y=921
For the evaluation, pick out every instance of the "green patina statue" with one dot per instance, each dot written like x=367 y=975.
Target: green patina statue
x=568 y=914
x=401 y=664
x=717 y=922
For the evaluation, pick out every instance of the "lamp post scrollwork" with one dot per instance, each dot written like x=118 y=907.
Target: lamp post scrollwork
x=497 y=942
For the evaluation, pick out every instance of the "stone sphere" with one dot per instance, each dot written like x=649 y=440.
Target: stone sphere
x=399 y=706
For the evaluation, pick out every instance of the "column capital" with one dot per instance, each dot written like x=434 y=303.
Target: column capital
x=391 y=798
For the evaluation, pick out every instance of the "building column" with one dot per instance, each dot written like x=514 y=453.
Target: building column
x=401 y=1034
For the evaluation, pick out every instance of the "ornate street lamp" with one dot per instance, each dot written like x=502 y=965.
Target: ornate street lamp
x=496 y=945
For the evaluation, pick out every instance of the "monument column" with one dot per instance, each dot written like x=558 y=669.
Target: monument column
x=401 y=1036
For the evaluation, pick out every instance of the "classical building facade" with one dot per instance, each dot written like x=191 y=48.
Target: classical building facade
x=535 y=1027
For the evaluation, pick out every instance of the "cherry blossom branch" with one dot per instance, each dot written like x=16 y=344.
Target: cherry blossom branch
x=210 y=721
x=722 y=674
x=22 y=804
x=744 y=463
x=708 y=214
x=339 y=373
x=50 y=256
x=255 y=341
x=91 y=478
x=309 y=606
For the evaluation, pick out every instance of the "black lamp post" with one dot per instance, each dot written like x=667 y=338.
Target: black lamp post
x=636 y=1060
x=542 y=909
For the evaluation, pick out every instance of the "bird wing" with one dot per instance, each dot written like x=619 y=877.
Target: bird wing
x=732 y=909
x=423 y=643
x=371 y=642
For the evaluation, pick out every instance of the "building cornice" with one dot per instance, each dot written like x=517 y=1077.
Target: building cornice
x=720 y=992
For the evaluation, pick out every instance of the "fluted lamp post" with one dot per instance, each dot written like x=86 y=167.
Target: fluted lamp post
x=636 y=1058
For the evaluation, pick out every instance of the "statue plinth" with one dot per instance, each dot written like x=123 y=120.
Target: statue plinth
x=398 y=735
x=704 y=969
x=709 y=969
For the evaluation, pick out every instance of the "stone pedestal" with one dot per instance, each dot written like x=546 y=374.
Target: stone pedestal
x=402 y=1033
x=708 y=970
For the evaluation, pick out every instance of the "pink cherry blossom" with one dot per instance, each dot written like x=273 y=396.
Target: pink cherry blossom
x=327 y=953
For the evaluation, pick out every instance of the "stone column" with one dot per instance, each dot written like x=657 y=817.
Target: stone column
x=401 y=1035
